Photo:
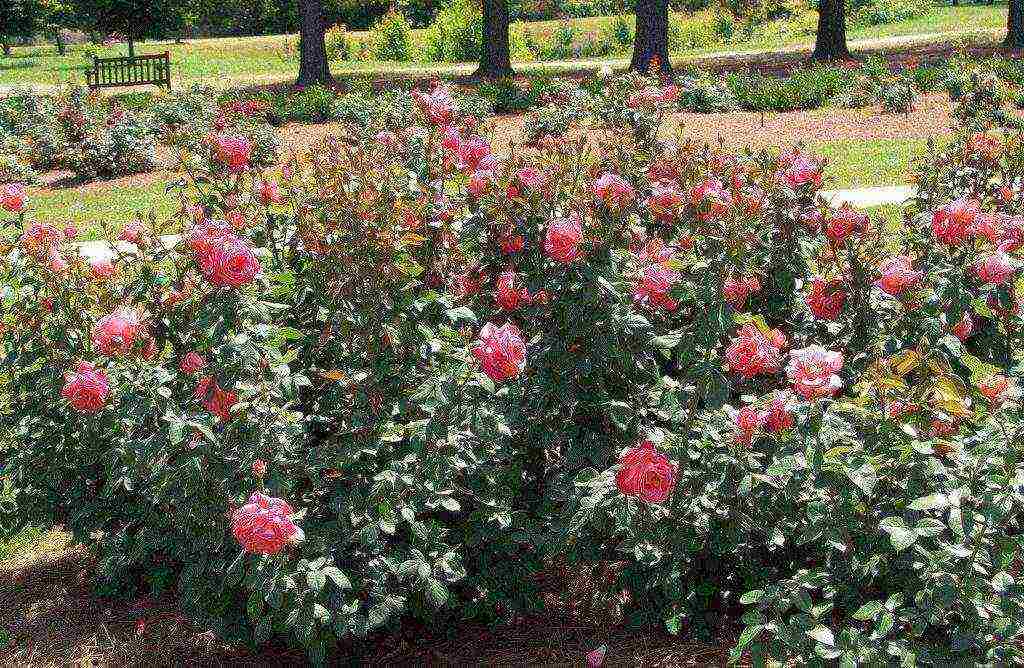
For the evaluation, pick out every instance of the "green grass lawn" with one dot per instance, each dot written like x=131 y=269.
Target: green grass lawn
x=851 y=164
x=864 y=163
x=238 y=60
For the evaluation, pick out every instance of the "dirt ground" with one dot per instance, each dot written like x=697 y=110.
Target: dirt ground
x=51 y=618
x=736 y=129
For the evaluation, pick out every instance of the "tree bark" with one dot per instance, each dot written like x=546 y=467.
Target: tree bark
x=62 y=47
x=1015 y=26
x=131 y=45
x=7 y=48
x=495 y=61
x=313 y=67
x=831 y=40
x=651 y=36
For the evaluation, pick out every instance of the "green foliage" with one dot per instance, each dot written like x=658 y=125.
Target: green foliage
x=338 y=43
x=391 y=38
x=454 y=35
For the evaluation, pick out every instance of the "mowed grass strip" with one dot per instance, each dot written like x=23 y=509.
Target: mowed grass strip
x=223 y=61
x=851 y=164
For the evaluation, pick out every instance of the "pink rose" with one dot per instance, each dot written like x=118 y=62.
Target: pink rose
x=500 y=351
x=259 y=468
x=117 y=333
x=87 y=388
x=191 y=362
x=898 y=276
x=753 y=352
x=826 y=298
x=479 y=183
x=798 y=169
x=101 y=268
x=562 y=240
x=952 y=223
x=13 y=197
x=665 y=202
x=614 y=191
x=777 y=417
x=230 y=263
x=264 y=525
x=531 y=178
x=646 y=474
x=737 y=289
x=812 y=371
x=474 y=152
x=995 y=269
x=233 y=152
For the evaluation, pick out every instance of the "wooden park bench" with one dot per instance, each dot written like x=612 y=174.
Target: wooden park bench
x=145 y=70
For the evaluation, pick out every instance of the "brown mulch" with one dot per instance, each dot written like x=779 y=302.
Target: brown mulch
x=51 y=617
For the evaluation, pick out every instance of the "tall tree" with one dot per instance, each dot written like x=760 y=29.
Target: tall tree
x=831 y=40
x=1015 y=26
x=19 y=19
x=313 y=67
x=495 y=61
x=651 y=35
x=134 y=19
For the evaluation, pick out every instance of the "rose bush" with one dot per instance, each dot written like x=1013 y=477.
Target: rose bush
x=411 y=377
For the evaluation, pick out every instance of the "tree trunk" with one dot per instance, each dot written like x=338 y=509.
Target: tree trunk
x=495 y=61
x=831 y=41
x=313 y=68
x=7 y=48
x=1015 y=26
x=62 y=47
x=131 y=45
x=651 y=36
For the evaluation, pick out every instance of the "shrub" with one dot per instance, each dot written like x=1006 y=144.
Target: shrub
x=804 y=89
x=391 y=38
x=338 y=43
x=704 y=94
x=883 y=12
x=454 y=36
x=618 y=34
x=12 y=170
x=413 y=377
x=693 y=32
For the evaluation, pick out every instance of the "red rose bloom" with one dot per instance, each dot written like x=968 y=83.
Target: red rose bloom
x=87 y=388
x=797 y=169
x=191 y=363
x=994 y=388
x=752 y=352
x=614 y=191
x=562 y=240
x=13 y=197
x=826 y=299
x=995 y=269
x=736 y=290
x=665 y=202
x=646 y=474
x=214 y=399
x=269 y=193
x=952 y=223
x=509 y=295
x=232 y=152
x=500 y=351
x=963 y=329
x=655 y=283
x=898 y=276
x=259 y=468
x=263 y=525
x=711 y=200
x=117 y=333
x=844 y=223
x=231 y=263
x=776 y=418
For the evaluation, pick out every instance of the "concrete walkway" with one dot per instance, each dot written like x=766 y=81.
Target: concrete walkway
x=867 y=198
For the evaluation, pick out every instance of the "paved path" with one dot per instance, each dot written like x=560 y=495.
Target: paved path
x=866 y=198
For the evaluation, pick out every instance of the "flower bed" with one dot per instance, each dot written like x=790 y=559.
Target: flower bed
x=402 y=380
